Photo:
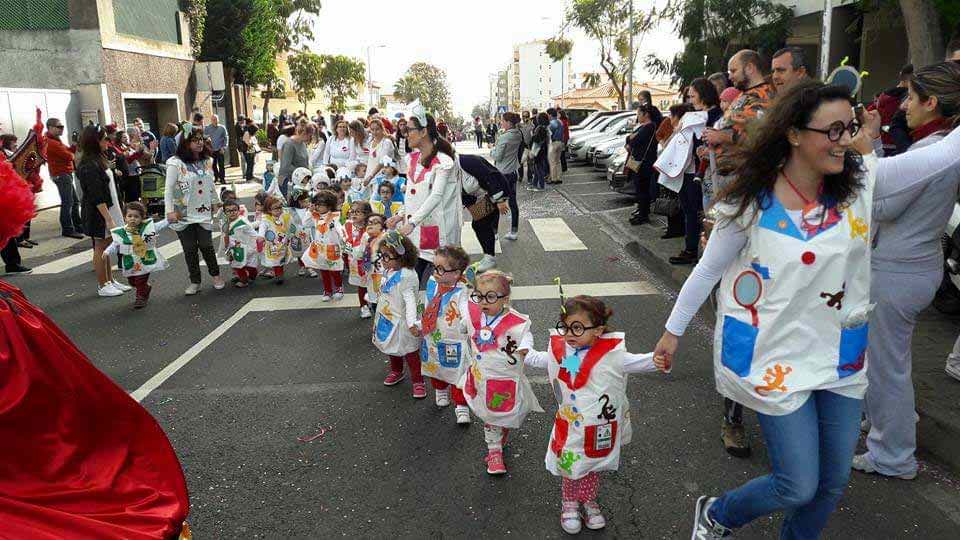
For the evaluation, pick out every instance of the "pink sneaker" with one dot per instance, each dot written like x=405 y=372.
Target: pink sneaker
x=495 y=464
x=393 y=378
x=419 y=390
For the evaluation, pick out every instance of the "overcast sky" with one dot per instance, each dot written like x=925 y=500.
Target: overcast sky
x=469 y=39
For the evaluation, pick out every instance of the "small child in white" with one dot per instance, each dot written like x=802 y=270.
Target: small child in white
x=325 y=253
x=240 y=245
x=136 y=242
x=495 y=386
x=275 y=232
x=588 y=369
x=353 y=231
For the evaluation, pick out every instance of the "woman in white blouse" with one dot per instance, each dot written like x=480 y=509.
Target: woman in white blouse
x=433 y=213
x=359 y=143
x=336 y=151
x=319 y=139
x=403 y=148
x=381 y=146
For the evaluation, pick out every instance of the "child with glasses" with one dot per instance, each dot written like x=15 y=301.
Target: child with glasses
x=395 y=330
x=588 y=367
x=353 y=231
x=445 y=343
x=325 y=253
x=274 y=232
x=494 y=384
x=240 y=244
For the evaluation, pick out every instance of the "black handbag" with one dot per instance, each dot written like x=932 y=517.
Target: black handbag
x=667 y=203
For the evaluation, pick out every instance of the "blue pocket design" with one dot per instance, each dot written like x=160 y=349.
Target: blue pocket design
x=424 y=352
x=448 y=354
x=853 y=350
x=739 y=339
x=384 y=328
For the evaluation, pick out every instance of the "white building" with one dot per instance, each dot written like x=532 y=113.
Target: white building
x=535 y=77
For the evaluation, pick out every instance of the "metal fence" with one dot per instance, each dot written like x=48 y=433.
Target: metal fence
x=34 y=15
x=150 y=19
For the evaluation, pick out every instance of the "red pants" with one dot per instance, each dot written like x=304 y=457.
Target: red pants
x=246 y=274
x=583 y=490
x=362 y=295
x=278 y=271
x=332 y=281
x=456 y=394
x=140 y=284
x=413 y=361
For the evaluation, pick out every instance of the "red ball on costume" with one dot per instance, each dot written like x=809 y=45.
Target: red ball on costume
x=808 y=258
x=16 y=199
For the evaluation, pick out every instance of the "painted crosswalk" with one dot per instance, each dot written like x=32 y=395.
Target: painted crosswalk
x=469 y=242
x=311 y=302
x=555 y=235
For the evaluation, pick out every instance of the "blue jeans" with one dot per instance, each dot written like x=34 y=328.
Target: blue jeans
x=69 y=204
x=512 y=201
x=810 y=453
x=541 y=168
x=691 y=204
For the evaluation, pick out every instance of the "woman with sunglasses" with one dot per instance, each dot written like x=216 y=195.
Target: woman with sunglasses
x=907 y=266
x=791 y=250
x=189 y=200
x=336 y=153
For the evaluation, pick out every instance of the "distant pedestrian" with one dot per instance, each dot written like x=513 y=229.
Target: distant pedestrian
x=555 y=148
x=478 y=132
x=60 y=159
x=540 y=142
x=293 y=156
x=505 y=156
x=168 y=142
x=150 y=140
x=219 y=141
x=249 y=147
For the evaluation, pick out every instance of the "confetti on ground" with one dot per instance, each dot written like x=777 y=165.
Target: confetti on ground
x=310 y=438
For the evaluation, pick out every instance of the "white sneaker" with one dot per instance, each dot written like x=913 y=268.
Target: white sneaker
x=337 y=296
x=592 y=517
x=364 y=312
x=512 y=235
x=463 y=414
x=486 y=263
x=120 y=286
x=443 y=397
x=302 y=271
x=953 y=368
x=570 y=517
x=324 y=298
x=192 y=289
x=312 y=274
x=109 y=290
x=218 y=283
x=862 y=463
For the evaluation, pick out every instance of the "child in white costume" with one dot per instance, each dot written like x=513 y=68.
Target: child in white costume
x=495 y=386
x=136 y=242
x=588 y=369
x=353 y=231
x=240 y=245
x=367 y=253
x=275 y=228
x=395 y=329
x=446 y=343
x=325 y=253
x=300 y=229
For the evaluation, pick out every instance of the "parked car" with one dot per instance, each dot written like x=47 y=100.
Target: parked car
x=604 y=150
x=576 y=116
x=580 y=150
x=617 y=173
x=592 y=120
x=597 y=127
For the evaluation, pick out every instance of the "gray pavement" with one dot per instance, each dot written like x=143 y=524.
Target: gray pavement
x=249 y=385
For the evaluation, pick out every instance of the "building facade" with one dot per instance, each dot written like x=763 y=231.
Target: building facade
x=535 y=77
x=604 y=96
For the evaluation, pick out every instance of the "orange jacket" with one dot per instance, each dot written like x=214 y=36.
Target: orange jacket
x=59 y=156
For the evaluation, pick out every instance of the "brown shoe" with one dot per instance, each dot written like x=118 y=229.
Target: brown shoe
x=734 y=438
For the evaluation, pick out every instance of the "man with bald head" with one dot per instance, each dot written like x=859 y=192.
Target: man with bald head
x=747 y=74
x=219 y=139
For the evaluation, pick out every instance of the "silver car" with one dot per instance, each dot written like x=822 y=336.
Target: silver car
x=583 y=148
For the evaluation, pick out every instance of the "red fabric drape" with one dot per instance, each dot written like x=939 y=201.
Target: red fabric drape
x=79 y=458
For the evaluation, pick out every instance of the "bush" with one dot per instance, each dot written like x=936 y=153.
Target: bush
x=262 y=139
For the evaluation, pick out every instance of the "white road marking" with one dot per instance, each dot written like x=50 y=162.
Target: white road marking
x=288 y=303
x=168 y=250
x=555 y=235
x=469 y=242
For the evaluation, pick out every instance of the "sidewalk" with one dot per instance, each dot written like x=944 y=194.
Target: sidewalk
x=45 y=227
x=938 y=395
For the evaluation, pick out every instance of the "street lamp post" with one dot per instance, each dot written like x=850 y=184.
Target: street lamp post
x=370 y=73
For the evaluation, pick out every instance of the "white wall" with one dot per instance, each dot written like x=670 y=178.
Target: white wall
x=805 y=7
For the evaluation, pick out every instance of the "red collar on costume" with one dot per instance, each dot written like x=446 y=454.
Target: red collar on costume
x=504 y=323
x=596 y=353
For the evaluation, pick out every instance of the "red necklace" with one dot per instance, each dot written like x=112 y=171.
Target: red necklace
x=806 y=202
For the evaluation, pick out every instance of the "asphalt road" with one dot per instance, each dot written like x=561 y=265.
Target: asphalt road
x=260 y=368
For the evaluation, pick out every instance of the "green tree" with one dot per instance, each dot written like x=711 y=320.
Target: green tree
x=306 y=70
x=340 y=77
x=558 y=48
x=608 y=22
x=196 y=12
x=713 y=30
x=481 y=110
x=427 y=83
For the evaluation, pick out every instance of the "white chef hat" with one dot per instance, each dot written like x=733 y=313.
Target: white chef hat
x=299 y=174
x=419 y=111
x=344 y=173
x=388 y=161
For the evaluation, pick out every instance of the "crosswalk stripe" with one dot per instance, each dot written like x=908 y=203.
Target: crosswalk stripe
x=168 y=250
x=469 y=242
x=289 y=303
x=555 y=235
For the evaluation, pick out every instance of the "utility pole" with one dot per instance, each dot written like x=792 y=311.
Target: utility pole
x=825 y=39
x=629 y=100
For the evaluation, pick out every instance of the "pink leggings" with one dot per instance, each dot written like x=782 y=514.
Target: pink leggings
x=413 y=361
x=582 y=490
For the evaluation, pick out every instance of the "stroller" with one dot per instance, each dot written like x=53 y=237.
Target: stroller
x=152 y=181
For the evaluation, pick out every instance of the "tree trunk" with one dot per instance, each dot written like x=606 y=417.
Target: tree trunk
x=266 y=109
x=922 y=23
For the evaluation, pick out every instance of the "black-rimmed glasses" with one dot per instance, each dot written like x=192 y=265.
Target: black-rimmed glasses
x=577 y=329
x=439 y=270
x=490 y=297
x=835 y=132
